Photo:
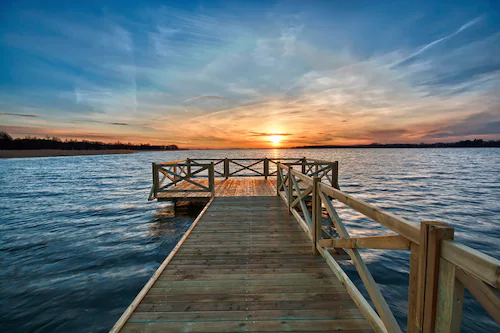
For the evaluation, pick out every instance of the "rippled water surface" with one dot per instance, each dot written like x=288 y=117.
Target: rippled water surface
x=78 y=238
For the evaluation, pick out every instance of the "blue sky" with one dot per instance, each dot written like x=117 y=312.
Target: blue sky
x=232 y=73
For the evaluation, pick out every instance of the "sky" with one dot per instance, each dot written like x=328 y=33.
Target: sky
x=247 y=74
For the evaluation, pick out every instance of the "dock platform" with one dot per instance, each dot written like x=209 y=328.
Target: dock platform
x=258 y=258
x=238 y=187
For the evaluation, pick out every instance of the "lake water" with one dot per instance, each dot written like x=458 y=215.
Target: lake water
x=78 y=238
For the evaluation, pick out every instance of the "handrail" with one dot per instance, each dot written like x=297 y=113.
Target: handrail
x=440 y=267
x=171 y=162
x=472 y=261
x=401 y=226
x=166 y=176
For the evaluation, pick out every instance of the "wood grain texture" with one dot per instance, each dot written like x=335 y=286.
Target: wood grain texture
x=233 y=187
x=247 y=266
x=413 y=291
x=388 y=242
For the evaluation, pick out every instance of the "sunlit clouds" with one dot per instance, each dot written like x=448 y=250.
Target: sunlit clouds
x=279 y=76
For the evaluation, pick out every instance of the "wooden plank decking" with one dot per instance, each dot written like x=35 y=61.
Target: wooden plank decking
x=234 y=187
x=246 y=266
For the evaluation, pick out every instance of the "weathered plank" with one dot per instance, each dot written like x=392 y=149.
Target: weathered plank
x=388 y=242
x=338 y=325
x=325 y=314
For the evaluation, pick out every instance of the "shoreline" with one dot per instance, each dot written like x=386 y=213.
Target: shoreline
x=59 y=152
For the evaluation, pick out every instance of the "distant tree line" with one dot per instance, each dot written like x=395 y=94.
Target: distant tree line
x=9 y=143
x=459 y=144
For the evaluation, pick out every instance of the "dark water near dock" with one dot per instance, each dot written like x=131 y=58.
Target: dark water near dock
x=78 y=238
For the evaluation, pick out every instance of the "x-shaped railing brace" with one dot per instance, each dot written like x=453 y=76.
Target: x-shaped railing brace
x=246 y=167
x=186 y=178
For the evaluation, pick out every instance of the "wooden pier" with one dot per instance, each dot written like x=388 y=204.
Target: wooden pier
x=259 y=257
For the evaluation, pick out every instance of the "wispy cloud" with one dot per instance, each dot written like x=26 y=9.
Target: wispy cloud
x=19 y=115
x=437 y=41
x=100 y=122
x=479 y=124
x=269 y=134
x=211 y=98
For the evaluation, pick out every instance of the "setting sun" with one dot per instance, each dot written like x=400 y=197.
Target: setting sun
x=275 y=139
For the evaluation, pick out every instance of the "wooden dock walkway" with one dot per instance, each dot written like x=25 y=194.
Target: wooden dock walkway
x=258 y=257
x=246 y=267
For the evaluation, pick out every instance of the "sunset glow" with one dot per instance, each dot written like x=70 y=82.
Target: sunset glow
x=275 y=139
x=250 y=74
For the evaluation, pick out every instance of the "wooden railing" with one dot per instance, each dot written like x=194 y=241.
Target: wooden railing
x=168 y=174
x=243 y=167
x=266 y=167
x=440 y=268
x=238 y=167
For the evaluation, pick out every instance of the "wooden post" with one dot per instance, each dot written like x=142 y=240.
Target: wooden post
x=437 y=233
x=450 y=299
x=304 y=165
x=335 y=174
x=226 y=168
x=266 y=167
x=316 y=215
x=211 y=175
x=290 y=189
x=431 y=236
x=188 y=161
x=278 y=178
x=155 y=180
x=413 y=291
